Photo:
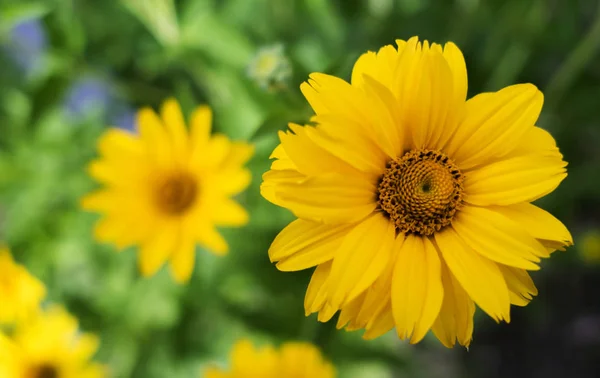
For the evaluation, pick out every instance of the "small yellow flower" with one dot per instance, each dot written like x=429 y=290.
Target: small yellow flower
x=414 y=203
x=20 y=292
x=589 y=247
x=167 y=188
x=49 y=346
x=294 y=359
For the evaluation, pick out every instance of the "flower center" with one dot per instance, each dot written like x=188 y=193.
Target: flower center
x=42 y=371
x=176 y=193
x=421 y=191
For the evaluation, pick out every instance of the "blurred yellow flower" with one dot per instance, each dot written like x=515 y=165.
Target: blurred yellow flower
x=590 y=247
x=166 y=189
x=20 y=292
x=413 y=203
x=49 y=346
x=294 y=359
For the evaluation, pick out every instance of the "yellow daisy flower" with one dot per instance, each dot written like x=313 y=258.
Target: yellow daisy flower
x=20 y=292
x=166 y=189
x=413 y=202
x=294 y=359
x=49 y=346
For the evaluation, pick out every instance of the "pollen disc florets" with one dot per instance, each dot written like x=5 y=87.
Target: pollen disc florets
x=176 y=193
x=421 y=191
x=43 y=371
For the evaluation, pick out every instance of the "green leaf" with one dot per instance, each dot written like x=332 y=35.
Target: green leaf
x=158 y=16
x=237 y=113
x=202 y=29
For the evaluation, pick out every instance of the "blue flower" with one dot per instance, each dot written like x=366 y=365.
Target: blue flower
x=86 y=96
x=27 y=44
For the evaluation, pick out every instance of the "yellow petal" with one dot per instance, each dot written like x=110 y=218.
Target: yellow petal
x=107 y=231
x=230 y=213
x=308 y=156
x=283 y=161
x=327 y=312
x=132 y=176
x=212 y=240
x=456 y=62
x=246 y=360
x=497 y=238
x=514 y=180
x=407 y=66
x=455 y=320
x=537 y=142
x=481 y=278
x=446 y=110
x=349 y=313
x=183 y=260
x=214 y=372
x=378 y=295
x=520 y=285
x=329 y=94
x=101 y=200
x=93 y=370
x=86 y=347
x=233 y=181
x=382 y=323
x=174 y=122
x=201 y=123
x=361 y=258
x=385 y=117
x=239 y=154
x=381 y=66
x=154 y=137
x=425 y=96
x=366 y=63
x=155 y=252
x=127 y=220
x=213 y=154
x=316 y=293
x=303 y=244
x=121 y=231
x=117 y=201
x=269 y=188
x=331 y=198
x=348 y=141
x=119 y=145
x=493 y=122
x=242 y=353
x=417 y=291
x=537 y=222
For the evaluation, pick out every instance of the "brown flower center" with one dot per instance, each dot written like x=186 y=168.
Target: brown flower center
x=42 y=371
x=421 y=191
x=176 y=193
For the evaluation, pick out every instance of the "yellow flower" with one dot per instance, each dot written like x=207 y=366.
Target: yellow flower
x=20 y=292
x=590 y=247
x=414 y=203
x=166 y=189
x=294 y=359
x=49 y=346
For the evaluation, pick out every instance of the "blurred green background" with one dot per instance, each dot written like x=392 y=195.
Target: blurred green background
x=69 y=68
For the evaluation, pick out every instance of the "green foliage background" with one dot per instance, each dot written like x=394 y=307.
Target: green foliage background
x=139 y=52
